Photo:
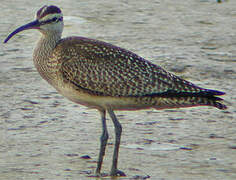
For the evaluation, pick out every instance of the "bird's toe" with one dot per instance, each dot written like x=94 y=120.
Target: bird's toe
x=117 y=172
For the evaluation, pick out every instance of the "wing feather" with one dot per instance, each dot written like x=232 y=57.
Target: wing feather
x=105 y=69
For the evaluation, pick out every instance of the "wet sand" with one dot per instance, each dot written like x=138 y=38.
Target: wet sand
x=43 y=135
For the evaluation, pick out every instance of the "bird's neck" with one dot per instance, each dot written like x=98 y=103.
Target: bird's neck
x=42 y=53
x=46 y=44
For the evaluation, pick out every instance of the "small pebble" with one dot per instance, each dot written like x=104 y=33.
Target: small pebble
x=186 y=148
x=71 y=155
x=141 y=177
x=232 y=147
x=213 y=136
x=85 y=157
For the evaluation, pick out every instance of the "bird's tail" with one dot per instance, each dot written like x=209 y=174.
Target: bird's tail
x=206 y=97
x=212 y=99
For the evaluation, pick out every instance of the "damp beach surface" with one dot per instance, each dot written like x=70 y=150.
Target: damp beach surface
x=45 y=136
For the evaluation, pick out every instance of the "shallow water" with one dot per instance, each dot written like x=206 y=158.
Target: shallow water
x=43 y=135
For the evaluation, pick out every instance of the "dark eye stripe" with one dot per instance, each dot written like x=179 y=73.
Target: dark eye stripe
x=55 y=19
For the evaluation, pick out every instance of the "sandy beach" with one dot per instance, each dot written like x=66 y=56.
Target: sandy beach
x=43 y=135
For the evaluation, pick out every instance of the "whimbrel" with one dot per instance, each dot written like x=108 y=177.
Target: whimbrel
x=106 y=77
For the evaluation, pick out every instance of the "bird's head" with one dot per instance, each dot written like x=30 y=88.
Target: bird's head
x=49 y=19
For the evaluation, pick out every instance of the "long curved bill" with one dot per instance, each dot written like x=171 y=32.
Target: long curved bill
x=32 y=25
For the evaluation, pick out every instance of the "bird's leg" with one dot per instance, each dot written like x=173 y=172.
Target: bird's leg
x=118 y=131
x=103 y=139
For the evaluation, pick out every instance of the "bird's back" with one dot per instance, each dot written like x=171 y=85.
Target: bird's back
x=105 y=70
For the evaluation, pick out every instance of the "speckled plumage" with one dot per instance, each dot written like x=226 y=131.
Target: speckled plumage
x=103 y=69
x=112 y=71
x=106 y=77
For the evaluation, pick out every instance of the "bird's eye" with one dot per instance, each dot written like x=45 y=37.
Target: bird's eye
x=54 y=19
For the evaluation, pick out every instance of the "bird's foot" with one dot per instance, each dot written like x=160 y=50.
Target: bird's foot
x=117 y=172
x=99 y=175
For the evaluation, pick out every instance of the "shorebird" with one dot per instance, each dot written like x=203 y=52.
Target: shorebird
x=106 y=77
